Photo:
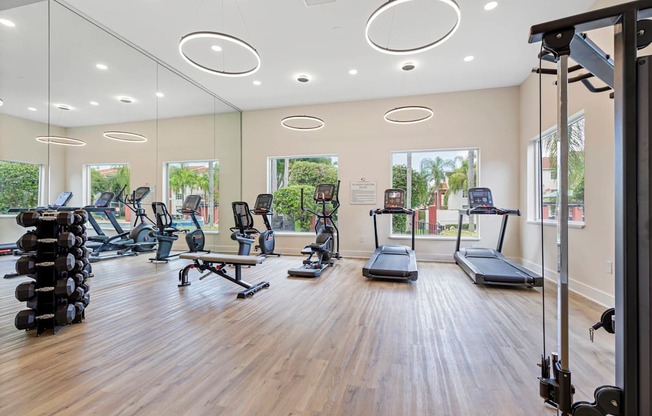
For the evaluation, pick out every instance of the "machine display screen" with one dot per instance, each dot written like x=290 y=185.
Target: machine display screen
x=104 y=200
x=141 y=193
x=191 y=203
x=263 y=202
x=480 y=197
x=324 y=192
x=62 y=199
x=394 y=198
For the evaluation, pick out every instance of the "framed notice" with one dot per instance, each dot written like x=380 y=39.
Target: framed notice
x=363 y=193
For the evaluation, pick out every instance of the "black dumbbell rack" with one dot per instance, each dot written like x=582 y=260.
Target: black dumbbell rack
x=57 y=261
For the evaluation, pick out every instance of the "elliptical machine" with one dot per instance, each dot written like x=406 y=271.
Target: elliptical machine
x=166 y=232
x=266 y=239
x=327 y=235
x=140 y=235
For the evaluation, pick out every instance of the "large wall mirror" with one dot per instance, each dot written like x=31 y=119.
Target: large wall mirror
x=109 y=118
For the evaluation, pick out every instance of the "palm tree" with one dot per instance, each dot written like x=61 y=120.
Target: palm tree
x=182 y=179
x=435 y=171
x=575 y=152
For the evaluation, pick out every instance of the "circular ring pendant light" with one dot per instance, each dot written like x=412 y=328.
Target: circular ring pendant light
x=125 y=136
x=428 y=114
x=60 y=140
x=287 y=122
x=224 y=37
x=393 y=3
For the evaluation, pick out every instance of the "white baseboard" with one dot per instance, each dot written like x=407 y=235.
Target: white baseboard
x=598 y=296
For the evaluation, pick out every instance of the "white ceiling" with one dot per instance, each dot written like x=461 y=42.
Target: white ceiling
x=327 y=40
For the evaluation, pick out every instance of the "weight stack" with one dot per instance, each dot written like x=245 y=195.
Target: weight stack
x=57 y=262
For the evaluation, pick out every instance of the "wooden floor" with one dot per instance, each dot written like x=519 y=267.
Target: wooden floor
x=336 y=345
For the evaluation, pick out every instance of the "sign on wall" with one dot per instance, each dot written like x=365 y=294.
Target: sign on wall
x=363 y=193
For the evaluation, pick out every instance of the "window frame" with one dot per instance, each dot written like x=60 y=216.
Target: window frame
x=166 y=184
x=304 y=156
x=534 y=180
x=41 y=192
x=393 y=236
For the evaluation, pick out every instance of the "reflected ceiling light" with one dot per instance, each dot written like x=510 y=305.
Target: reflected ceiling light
x=64 y=107
x=256 y=82
x=125 y=99
x=353 y=71
x=160 y=95
x=426 y=110
x=221 y=36
x=7 y=23
x=1 y=102
x=31 y=108
x=491 y=5
x=102 y=67
x=303 y=78
x=216 y=48
x=468 y=58
x=60 y=140
x=125 y=136
x=287 y=123
x=94 y=103
x=408 y=66
x=393 y=3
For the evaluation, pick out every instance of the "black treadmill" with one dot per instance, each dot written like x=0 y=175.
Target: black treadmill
x=392 y=261
x=485 y=265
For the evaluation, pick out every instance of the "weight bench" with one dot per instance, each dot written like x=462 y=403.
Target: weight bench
x=216 y=263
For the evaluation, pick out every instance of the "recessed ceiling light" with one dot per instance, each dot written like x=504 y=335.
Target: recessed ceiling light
x=353 y=71
x=491 y=5
x=102 y=67
x=65 y=107
x=7 y=23
x=94 y=103
x=216 y=48
x=257 y=82
x=31 y=108
x=468 y=58
x=303 y=78
x=408 y=66
x=160 y=95
x=1 y=102
x=125 y=99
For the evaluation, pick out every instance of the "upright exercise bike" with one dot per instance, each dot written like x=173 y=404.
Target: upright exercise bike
x=166 y=233
x=327 y=234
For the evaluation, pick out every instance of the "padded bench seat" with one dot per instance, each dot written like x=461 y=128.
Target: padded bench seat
x=224 y=258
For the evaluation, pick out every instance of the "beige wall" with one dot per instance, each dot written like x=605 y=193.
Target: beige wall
x=591 y=247
x=363 y=142
x=18 y=144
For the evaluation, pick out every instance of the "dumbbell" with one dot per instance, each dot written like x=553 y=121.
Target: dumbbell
x=27 y=218
x=79 y=252
x=65 y=218
x=77 y=294
x=26 y=319
x=27 y=290
x=28 y=241
x=86 y=285
x=65 y=263
x=79 y=277
x=79 y=308
x=78 y=229
x=81 y=216
x=86 y=299
x=26 y=265
x=67 y=240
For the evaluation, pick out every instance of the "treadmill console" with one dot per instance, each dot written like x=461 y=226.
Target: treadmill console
x=263 y=203
x=104 y=200
x=480 y=197
x=62 y=200
x=394 y=199
x=190 y=204
x=324 y=192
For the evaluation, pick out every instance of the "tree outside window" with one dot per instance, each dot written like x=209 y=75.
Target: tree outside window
x=194 y=178
x=288 y=176
x=19 y=185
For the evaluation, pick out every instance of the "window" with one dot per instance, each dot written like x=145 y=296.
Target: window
x=436 y=184
x=548 y=172
x=20 y=185
x=109 y=178
x=287 y=176
x=200 y=177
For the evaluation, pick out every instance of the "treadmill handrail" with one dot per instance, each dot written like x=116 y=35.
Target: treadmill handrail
x=484 y=210
x=404 y=211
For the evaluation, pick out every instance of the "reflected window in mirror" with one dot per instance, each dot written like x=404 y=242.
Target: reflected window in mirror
x=20 y=185
x=112 y=177
x=193 y=178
